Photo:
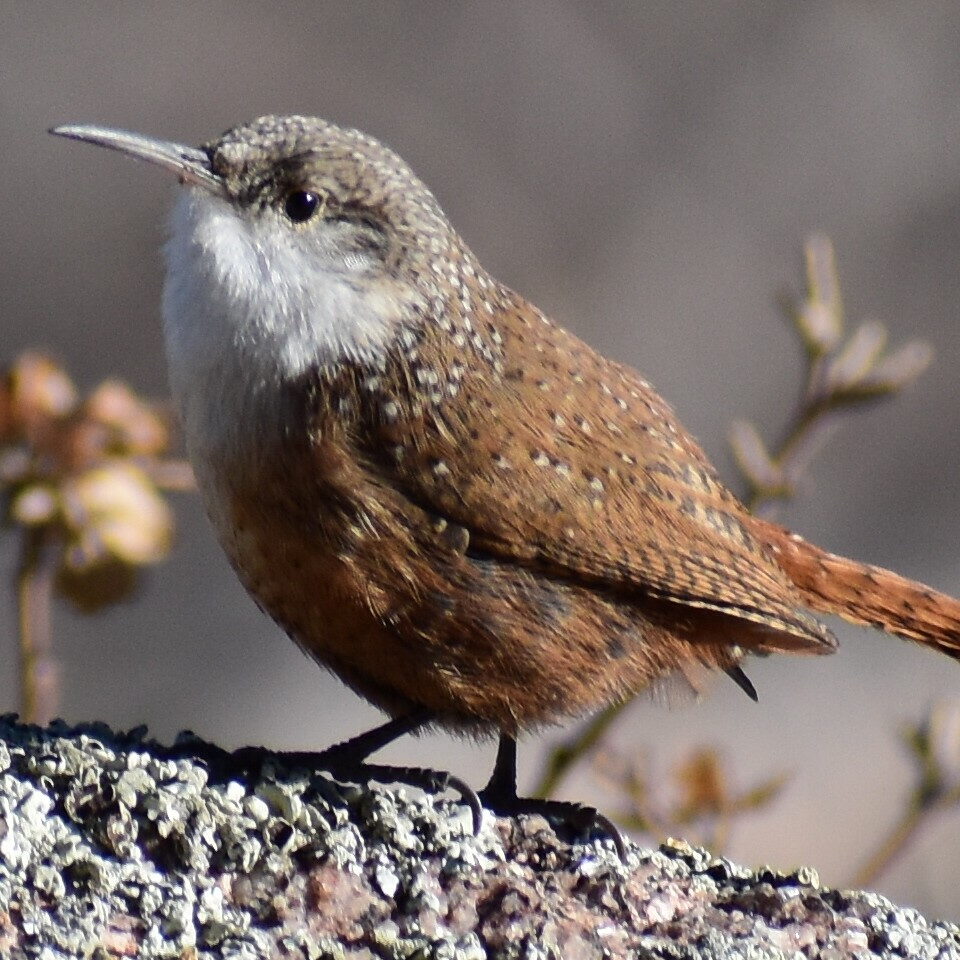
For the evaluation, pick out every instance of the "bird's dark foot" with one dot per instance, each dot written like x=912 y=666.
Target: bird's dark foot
x=430 y=781
x=500 y=796
x=580 y=818
x=348 y=761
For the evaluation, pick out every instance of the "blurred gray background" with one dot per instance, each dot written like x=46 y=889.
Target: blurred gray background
x=646 y=172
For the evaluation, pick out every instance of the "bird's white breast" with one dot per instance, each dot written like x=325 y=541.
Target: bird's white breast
x=245 y=310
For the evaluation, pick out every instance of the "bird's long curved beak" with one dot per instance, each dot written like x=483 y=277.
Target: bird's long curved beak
x=188 y=163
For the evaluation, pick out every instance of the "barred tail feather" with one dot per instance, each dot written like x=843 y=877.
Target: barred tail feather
x=864 y=594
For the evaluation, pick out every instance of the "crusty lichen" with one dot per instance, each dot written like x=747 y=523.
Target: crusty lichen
x=111 y=845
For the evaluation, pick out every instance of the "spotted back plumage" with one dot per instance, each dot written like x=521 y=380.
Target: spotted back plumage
x=556 y=459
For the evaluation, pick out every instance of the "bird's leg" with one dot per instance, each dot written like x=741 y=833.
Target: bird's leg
x=502 y=786
x=358 y=748
x=346 y=755
x=500 y=796
x=349 y=761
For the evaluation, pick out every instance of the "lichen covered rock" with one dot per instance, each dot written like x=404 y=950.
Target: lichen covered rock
x=113 y=846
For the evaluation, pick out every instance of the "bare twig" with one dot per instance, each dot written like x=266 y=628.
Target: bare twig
x=569 y=753
x=39 y=681
x=934 y=745
x=698 y=795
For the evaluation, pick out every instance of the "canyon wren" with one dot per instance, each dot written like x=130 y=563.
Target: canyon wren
x=466 y=513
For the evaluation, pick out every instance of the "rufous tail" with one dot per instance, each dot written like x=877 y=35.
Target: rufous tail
x=865 y=594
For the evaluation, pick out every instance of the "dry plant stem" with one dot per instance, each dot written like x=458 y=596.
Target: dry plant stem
x=806 y=419
x=761 y=501
x=564 y=756
x=720 y=835
x=39 y=687
x=813 y=414
x=921 y=807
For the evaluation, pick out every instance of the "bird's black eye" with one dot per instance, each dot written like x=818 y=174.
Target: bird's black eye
x=301 y=205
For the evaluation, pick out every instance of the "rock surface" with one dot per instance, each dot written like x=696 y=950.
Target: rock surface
x=114 y=846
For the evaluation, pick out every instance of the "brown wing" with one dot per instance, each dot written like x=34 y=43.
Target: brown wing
x=555 y=458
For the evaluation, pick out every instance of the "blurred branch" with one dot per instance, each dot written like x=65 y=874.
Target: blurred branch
x=81 y=484
x=39 y=682
x=562 y=757
x=934 y=746
x=698 y=795
x=843 y=374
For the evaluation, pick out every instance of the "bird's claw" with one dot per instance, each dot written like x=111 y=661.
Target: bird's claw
x=579 y=816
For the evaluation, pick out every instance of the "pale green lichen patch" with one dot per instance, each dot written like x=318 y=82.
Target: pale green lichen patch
x=113 y=846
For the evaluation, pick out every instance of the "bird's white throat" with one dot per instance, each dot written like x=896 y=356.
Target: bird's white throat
x=245 y=309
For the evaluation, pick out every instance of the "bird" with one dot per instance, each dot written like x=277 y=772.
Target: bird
x=470 y=516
